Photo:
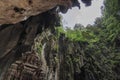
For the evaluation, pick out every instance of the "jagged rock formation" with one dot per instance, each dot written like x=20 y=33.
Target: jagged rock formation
x=51 y=58
x=26 y=68
x=12 y=11
x=19 y=38
x=34 y=50
x=31 y=49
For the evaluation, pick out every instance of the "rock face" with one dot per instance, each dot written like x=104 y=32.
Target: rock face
x=32 y=50
x=50 y=58
x=13 y=11
x=55 y=57
x=26 y=68
x=19 y=39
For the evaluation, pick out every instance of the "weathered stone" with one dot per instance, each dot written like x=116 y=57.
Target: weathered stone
x=13 y=11
x=9 y=41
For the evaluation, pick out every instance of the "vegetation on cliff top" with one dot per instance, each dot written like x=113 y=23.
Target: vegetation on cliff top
x=102 y=38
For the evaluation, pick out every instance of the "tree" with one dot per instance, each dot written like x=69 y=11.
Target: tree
x=78 y=26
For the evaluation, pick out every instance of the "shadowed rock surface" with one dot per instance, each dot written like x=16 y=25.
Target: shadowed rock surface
x=33 y=50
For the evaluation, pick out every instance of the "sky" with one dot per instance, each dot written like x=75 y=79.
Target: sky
x=84 y=16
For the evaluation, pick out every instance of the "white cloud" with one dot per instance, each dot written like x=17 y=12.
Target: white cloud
x=84 y=16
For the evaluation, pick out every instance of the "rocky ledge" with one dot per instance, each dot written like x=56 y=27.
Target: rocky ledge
x=13 y=11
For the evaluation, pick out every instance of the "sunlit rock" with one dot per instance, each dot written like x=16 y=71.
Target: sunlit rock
x=13 y=11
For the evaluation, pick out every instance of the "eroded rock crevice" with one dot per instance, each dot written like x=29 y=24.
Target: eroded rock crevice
x=18 y=38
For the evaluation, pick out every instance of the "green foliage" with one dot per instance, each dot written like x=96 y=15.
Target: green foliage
x=111 y=21
x=78 y=34
x=103 y=38
x=59 y=30
x=39 y=48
